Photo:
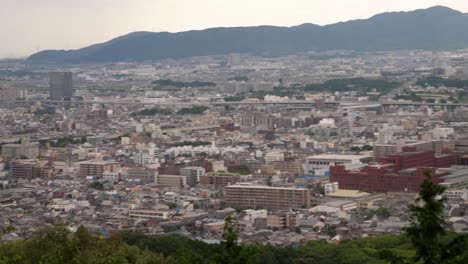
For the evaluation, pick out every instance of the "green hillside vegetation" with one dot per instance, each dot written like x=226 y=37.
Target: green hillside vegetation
x=435 y=28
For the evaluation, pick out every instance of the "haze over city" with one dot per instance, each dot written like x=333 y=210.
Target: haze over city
x=29 y=26
x=227 y=132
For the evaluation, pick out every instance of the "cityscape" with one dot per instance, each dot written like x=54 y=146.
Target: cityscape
x=319 y=146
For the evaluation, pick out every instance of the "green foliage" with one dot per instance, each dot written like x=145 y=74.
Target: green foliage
x=65 y=141
x=409 y=97
x=193 y=143
x=355 y=149
x=40 y=112
x=234 y=98
x=57 y=245
x=152 y=112
x=353 y=84
x=179 y=84
x=97 y=185
x=383 y=212
x=367 y=148
x=194 y=110
x=427 y=221
x=243 y=170
x=438 y=81
x=229 y=248
x=277 y=91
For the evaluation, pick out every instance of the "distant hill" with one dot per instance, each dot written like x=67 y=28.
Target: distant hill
x=432 y=29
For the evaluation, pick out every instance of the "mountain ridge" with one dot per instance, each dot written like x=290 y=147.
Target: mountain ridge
x=433 y=28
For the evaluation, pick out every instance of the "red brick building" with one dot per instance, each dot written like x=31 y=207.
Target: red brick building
x=219 y=179
x=407 y=159
x=402 y=172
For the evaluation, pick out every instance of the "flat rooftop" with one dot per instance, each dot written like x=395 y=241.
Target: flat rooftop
x=338 y=157
x=252 y=186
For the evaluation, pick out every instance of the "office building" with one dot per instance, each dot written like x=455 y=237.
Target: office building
x=320 y=164
x=60 y=86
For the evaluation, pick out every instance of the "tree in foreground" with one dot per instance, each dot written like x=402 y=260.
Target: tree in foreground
x=427 y=227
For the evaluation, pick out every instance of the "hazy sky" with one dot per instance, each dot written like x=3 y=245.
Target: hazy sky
x=27 y=26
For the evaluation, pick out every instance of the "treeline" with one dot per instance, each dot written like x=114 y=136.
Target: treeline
x=180 y=84
x=63 y=142
x=152 y=112
x=235 y=98
x=352 y=84
x=438 y=81
x=194 y=110
x=58 y=246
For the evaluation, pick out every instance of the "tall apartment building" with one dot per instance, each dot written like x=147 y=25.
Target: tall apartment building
x=31 y=169
x=25 y=149
x=9 y=94
x=60 y=86
x=97 y=168
x=193 y=174
x=248 y=196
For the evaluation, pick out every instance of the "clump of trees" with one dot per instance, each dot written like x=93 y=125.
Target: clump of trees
x=65 y=141
x=152 y=112
x=242 y=169
x=235 y=98
x=194 y=110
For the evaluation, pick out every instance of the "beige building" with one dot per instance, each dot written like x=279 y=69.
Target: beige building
x=248 y=196
x=176 y=181
x=97 y=168
x=25 y=149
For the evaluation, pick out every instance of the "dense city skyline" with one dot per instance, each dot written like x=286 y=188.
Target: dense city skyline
x=88 y=22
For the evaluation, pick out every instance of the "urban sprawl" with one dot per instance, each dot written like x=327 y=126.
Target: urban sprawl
x=312 y=146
